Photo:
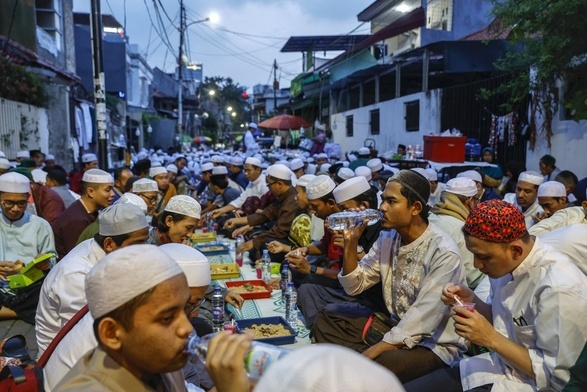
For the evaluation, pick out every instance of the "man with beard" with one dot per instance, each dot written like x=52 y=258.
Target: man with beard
x=526 y=196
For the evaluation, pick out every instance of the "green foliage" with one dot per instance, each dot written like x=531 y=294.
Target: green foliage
x=18 y=84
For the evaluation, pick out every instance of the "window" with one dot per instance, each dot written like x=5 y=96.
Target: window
x=374 y=123
x=49 y=18
x=349 y=126
x=412 y=110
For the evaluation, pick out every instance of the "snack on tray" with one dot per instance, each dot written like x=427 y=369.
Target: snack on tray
x=248 y=288
x=267 y=330
x=220 y=270
x=212 y=248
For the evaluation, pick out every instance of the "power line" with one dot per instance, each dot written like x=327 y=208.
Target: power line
x=165 y=12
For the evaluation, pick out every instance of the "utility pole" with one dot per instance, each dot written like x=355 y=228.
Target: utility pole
x=275 y=86
x=99 y=82
x=180 y=75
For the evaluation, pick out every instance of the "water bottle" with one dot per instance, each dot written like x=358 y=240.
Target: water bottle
x=347 y=219
x=266 y=266
x=257 y=359
x=238 y=257
x=217 y=309
x=291 y=306
x=285 y=279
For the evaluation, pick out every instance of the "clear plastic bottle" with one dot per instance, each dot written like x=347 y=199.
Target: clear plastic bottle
x=257 y=359
x=217 y=309
x=291 y=306
x=347 y=219
x=285 y=279
x=266 y=266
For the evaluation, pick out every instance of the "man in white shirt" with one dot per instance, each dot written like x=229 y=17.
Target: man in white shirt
x=413 y=260
x=561 y=218
x=250 y=145
x=526 y=196
x=62 y=294
x=571 y=241
x=535 y=323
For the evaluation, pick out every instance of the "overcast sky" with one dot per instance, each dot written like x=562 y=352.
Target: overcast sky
x=246 y=39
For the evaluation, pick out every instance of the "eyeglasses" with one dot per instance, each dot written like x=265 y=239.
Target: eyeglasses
x=10 y=204
x=152 y=199
x=270 y=183
x=190 y=308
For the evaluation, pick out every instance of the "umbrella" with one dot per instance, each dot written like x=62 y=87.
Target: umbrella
x=284 y=122
x=202 y=139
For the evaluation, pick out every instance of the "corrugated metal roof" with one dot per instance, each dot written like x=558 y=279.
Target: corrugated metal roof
x=322 y=43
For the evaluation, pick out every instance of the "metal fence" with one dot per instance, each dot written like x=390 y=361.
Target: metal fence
x=22 y=127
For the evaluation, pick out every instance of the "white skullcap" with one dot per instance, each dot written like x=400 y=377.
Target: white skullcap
x=350 y=189
x=296 y=164
x=113 y=281
x=253 y=125
x=172 y=168
x=279 y=171
x=319 y=187
x=23 y=154
x=14 y=183
x=142 y=155
x=421 y=171
x=364 y=151
x=144 y=185
x=97 y=176
x=324 y=167
x=208 y=166
x=364 y=171
x=322 y=155
x=50 y=157
x=39 y=175
x=193 y=263
x=2 y=155
x=345 y=173
x=352 y=157
x=89 y=158
x=156 y=163
x=219 y=170
x=217 y=159
x=375 y=164
x=532 y=177
x=462 y=186
x=253 y=161
x=236 y=161
x=309 y=160
x=157 y=170
x=121 y=218
x=305 y=180
x=320 y=127
x=283 y=162
x=4 y=163
x=131 y=198
x=552 y=189
x=345 y=163
x=472 y=174
x=334 y=368
x=432 y=174
x=184 y=205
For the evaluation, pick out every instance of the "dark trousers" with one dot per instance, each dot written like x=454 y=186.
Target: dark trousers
x=343 y=324
x=442 y=380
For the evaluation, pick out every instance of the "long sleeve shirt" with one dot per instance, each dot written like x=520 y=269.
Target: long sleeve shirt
x=561 y=218
x=256 y=188
x=534 y=209
x=542 y=306
x=413 y=276
x=70 y=224
x=283 y=212
x=25 y=238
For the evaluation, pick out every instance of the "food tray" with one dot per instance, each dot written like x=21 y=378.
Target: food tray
x=246 y=323
x=228 y=271
x=254 y=295
x=203 y=237
x=213 y=249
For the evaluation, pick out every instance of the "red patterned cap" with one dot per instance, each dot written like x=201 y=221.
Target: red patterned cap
x=496 y=221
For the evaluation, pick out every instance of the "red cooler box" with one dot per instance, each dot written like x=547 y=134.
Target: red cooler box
x=445 y=148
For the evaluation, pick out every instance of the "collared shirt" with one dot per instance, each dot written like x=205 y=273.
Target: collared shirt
x=413 y=276
x=66 y=194
x=240 y=179
x=63 y=292
x=561 y=218
x=283 y=212
x=97 y=371
x=256 y=188
x=70 y=224
x=25 y=238
x=534 y=209
x=542 y=306
x=48 y=203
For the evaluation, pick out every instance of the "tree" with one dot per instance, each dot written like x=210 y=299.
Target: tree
x=553 y=43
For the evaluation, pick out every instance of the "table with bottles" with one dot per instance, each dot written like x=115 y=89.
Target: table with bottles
x=256 y=308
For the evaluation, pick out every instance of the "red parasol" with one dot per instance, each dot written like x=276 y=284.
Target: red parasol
x=284 y=122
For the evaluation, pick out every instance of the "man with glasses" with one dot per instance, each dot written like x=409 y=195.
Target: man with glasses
x=148 y=191
x=23 y=237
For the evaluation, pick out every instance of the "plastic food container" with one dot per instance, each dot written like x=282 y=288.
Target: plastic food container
x=254 y=294
x=224 y=271
x=213 y=249
x=289 y=339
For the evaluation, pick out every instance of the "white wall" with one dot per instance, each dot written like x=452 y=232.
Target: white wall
x=392 y=123
x=569 y=147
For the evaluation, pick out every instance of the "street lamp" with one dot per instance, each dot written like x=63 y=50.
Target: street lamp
x=229 y=108
x=212 y=93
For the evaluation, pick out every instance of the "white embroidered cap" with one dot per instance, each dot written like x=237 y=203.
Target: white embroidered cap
x=461 y=186
x=236 y=161
x=172 y=168
x=350 y=189
x=219 y=170
x=23 y=154
x=319 y=187
x=184 y=205
x=253 y=161
x=193 y=263
x=305 y=180
x=324 y=167
x=375 y=164
x=86 y=158
x=279 y=171
x=157 y=170
x=49 y=157
x=113 y=281
x=206 y=167
x=217 y=159
x=322 y=155
x=421 y=171
x=364 y=151
x=2 y=155
x=532 y=177
x=14 y=183
x=39 y=176
x=552 y=189
x=472 y=174
x=364 y=171
x=296 y=164
x=432 y=174
x=131 y=198
x=121 y=218
x=4 y=163
x=145 y=185
x=345 y=173
x=97 y=176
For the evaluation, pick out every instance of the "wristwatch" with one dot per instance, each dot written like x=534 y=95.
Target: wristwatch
x=313 y=269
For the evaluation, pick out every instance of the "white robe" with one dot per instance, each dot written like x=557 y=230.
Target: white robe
x=25 y=238
x=256 y=188
x=571 y=241
x=561 y=218
x=530 y=211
